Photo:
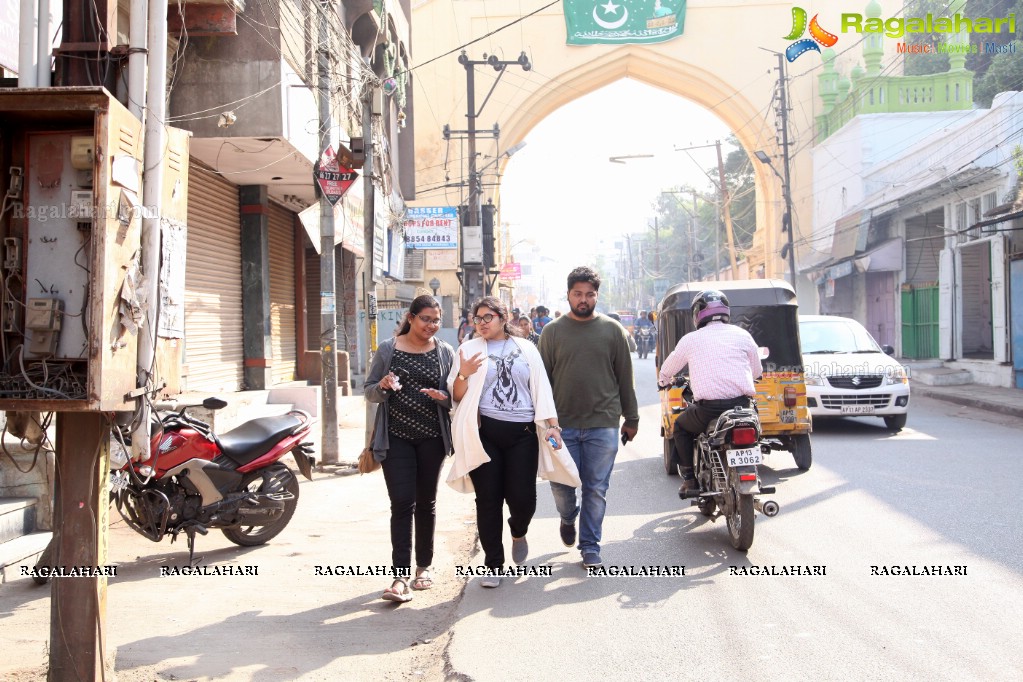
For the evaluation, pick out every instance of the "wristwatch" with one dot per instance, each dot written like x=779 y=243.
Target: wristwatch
x=555 y=427
x=462 y=377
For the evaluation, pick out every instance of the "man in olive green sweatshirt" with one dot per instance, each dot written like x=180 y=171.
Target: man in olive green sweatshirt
x=590 y=367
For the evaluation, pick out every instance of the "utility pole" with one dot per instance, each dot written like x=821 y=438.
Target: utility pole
x=328 y=300
x=726 y=211
x=786 y=222
x=657 y=248
x=81 y=493
x=696 y=216
x=717 y=242
x=369 y=248
x=474 y=275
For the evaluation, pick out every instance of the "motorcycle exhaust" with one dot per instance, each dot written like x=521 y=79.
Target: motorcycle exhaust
x=264 y=512
x=263 y=505
x=766 y=507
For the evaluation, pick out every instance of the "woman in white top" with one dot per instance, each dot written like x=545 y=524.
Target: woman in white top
x=504 y=413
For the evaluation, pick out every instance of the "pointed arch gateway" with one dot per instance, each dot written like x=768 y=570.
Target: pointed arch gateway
x=690 y=81
x=730 y=77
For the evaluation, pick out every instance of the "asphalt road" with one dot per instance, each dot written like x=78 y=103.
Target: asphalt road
x=922 y=498
x=943 y=492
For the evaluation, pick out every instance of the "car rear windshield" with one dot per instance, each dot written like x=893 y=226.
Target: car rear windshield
x=836 y=337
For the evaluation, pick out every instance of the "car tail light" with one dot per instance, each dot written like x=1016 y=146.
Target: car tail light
x=790 y=396
x=744 y=435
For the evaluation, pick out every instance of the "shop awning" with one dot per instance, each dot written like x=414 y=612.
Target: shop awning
x=850 y=234
x=884 y=257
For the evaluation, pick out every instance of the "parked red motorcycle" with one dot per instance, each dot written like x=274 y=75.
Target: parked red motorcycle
x=196 y=480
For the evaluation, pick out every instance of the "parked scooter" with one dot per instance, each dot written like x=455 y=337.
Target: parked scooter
x=725 y=464
x=197 y=480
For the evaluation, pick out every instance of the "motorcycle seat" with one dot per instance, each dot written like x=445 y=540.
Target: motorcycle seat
x=255 y=438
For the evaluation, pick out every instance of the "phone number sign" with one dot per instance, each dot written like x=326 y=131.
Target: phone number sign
x=431 y=227
x=332 y=178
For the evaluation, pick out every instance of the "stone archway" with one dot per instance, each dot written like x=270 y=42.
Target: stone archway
x=731 y=77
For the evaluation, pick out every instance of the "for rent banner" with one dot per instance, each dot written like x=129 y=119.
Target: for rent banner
x=614 y=22
x=431 y=227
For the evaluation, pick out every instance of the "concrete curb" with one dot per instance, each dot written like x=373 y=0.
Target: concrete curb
x=950 y=395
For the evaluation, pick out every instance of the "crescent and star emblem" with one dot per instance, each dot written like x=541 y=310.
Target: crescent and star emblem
x=611 y=8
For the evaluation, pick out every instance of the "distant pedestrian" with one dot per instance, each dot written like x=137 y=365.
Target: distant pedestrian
x=588 y=360
x=504 y=413
x=542 y=319
x=464 y=326
x=412 y=435
x=527 y=330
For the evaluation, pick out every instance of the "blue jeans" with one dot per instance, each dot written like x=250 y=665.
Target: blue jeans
x=593 y=451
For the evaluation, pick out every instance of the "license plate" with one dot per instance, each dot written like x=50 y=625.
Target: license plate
x=787 y=416
x=744 y=457
x=857 y=409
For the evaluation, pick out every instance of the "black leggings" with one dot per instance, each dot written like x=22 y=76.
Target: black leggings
x=509 y=475
x=412 y=472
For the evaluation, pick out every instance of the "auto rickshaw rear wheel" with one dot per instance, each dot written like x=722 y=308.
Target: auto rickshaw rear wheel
x=801 y=451
x=670 y=457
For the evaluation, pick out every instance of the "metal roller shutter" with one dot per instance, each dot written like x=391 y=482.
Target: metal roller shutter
x=312 y=299
x=213 y=285
x=282 y=294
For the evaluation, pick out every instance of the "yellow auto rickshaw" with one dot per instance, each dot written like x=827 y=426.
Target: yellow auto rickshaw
x=767 y=309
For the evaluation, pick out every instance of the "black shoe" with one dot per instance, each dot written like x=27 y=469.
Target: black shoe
x=568 y=533
x=689 y=482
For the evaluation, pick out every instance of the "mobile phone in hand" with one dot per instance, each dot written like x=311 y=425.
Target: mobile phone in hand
x=625 y=438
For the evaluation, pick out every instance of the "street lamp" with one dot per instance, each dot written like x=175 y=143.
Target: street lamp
x=625 y=157
x=435 y=285
x=786 y=220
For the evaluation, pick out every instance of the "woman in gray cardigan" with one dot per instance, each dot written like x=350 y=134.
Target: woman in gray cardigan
x=412 y=435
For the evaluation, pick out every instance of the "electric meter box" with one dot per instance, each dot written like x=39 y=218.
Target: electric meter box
x=72 y=250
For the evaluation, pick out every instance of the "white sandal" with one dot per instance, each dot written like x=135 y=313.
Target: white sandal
x=391 y=594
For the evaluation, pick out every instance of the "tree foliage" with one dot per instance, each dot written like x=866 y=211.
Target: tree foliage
x=690 y=241
x=993 y=73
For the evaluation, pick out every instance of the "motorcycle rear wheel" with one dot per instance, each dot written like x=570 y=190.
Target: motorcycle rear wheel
x=277 y=478
x=740 y=522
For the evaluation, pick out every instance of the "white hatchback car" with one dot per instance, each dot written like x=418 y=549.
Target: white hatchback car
x=848 y=374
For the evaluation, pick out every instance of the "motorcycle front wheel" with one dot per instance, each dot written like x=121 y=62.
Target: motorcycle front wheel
x=275 y=479
x=740 y=521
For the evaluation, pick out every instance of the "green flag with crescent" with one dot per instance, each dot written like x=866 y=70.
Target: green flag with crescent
x=615 y=22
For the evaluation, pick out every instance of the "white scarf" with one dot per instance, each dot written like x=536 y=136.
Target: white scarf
x=553 y=465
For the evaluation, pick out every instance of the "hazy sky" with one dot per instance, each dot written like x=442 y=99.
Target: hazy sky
x=561 y=188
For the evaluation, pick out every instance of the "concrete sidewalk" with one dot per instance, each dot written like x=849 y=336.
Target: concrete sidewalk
x=296 y=618
x=1008 y=401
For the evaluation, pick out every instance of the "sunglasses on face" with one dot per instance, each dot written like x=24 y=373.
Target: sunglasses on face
x=486 y=318
x=425 y=319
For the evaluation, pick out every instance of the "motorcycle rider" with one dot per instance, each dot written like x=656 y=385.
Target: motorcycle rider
x=643 y=321
x=723 y=362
